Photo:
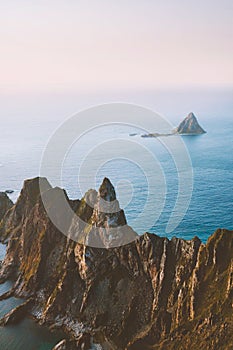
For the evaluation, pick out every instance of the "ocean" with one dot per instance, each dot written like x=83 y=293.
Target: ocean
x=23 y=140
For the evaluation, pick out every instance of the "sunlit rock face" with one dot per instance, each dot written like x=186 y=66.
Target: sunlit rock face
x=190 y=125
x=103 y=223
x=152 y=293
x=109 y=226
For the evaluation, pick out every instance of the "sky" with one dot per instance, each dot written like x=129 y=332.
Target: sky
x=89 y=45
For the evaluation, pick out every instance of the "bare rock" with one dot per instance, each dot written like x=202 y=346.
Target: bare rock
x=152 y=293
x=5 y=204
x=190 y=126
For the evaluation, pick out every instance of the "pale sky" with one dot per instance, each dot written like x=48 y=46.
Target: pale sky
x=94 y=45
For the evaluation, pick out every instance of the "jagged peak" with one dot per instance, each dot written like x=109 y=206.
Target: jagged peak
x=5 y=204
x=107 y=190
x=190 y=125
x=191 y=115
x=34 y=186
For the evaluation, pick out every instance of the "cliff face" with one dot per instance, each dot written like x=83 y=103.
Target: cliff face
x=190 y=125
x=5 y=204
x=152 y=293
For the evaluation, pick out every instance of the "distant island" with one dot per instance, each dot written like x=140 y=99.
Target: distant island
x=189 y=126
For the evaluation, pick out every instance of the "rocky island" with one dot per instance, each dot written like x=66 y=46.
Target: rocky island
x=152 y=293
x=189 y=126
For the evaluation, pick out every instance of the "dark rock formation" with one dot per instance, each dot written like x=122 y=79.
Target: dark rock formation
x=152 y=293
x=106 y=224
x=5 y=204
x=15 y=217
x=190 y=125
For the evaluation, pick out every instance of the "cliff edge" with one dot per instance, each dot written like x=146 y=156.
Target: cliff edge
x=152 y=293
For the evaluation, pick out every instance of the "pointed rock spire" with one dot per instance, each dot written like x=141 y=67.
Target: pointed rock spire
x=5 y=204
x=108 y=221
x=103 y=223
x=107 y=190
x=190 y=125
x=107 y=212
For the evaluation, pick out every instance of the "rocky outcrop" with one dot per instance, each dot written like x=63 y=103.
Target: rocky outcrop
x=152 y=293
x=190 y=125
x=106 y=223
x=17 y=214
x=5 y=204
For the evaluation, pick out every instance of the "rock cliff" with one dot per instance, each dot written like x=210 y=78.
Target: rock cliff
x=152 y=293
x=190 y=125
x=5 y=204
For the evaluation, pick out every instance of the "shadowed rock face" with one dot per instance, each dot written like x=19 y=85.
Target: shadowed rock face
x=152 y=293
x=190 y=125
x=5 y=204
x=15 y=217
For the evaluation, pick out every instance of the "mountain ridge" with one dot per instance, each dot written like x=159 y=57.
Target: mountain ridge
x=152 y=293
